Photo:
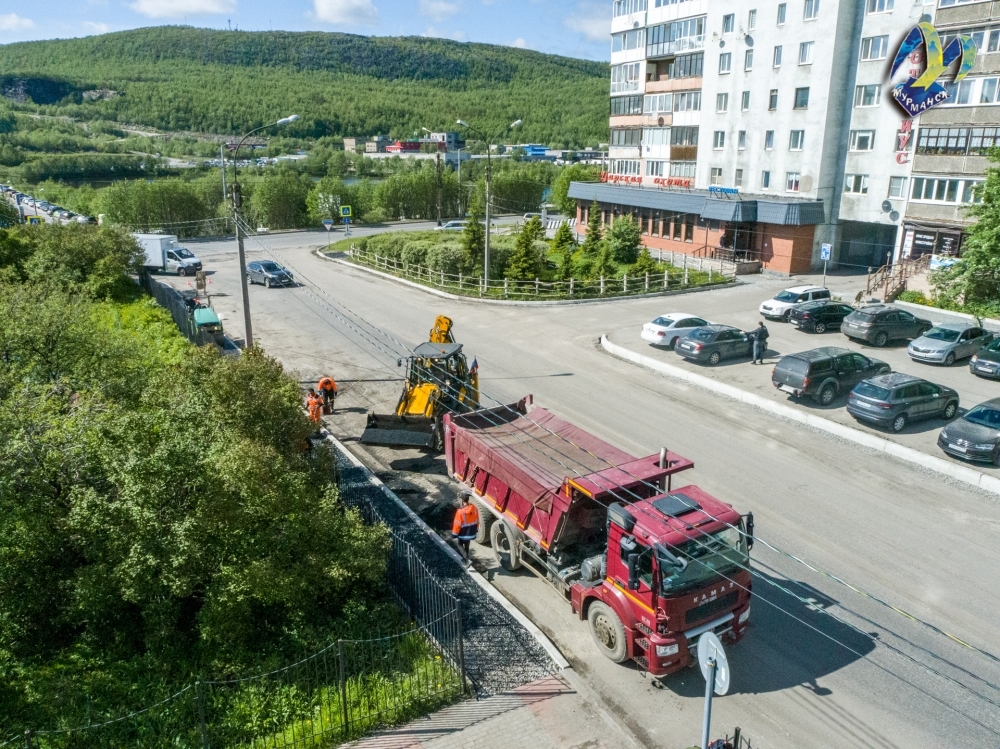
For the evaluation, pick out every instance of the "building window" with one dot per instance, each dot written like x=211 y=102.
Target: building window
x=765 y=180
x=796 y=139
x=716 y=175
x=628 y=7
x=629 y=167
x=856 y=184
x=656 y=168
x=781 y=14
x=802 y=98
x=752 y=20
x=719 y=139
x=728 y=23
x=879 y=6
x=745 y=101
x=867 y=96
x=874 y=47
x=655 y=104
x=625 y=78
x=725 y=62
x=656 y=136
x=748 y=60
x=768 y=140
x=971 y=193
x=811 y=10
x=988 y=95
x=862 y=140
x=622 y=105
x=741 y=139
x=776 y=60
x=738 y=179
x=959 y=92
x=994 y=41
x=674 y=37
x=628 y=40
x=683 y=168
x=772 y=100
x=686 y=66
x=939 y=190
x=684 y=136
x=943 y=140
x=687 y=101
x=631 y=136
x=806 y=53
x=792 y=181
x=722 y=102
x=897 y=187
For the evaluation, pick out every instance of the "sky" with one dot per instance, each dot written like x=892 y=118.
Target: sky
x=576 y=28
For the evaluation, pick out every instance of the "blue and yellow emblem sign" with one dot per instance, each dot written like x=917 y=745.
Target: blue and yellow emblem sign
x=918 y=94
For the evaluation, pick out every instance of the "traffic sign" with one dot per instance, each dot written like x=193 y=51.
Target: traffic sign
x=347 y=221
x=710 y=649
x=345 y=211
x=328 y=223
x=825 y=251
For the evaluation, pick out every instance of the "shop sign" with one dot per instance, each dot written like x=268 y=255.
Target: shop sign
x=921 y=91
x=625 y=179
x=903 y=137
x=724 y=190
x=672 y=181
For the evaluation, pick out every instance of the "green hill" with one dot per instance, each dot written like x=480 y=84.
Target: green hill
x=182 y=78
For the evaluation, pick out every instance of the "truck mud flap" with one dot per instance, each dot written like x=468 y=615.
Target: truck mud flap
x=399 y=431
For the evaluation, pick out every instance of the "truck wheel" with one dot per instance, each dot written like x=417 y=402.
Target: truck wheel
x=181 y=271
x=502 y=541
x=607 y=631
x=826 y=395
x=486 y=521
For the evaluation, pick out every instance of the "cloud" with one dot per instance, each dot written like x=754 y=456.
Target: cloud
x=519 y=43
x=95 y=28
x=458 y=36
x=347 y=12
x=592 y=20
x=438 y=10
x=14 y=22
x=177 y=8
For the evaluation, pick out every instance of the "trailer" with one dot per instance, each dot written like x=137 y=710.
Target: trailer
x=650 y=567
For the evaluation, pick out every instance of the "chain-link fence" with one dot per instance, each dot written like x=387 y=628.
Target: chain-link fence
x=172 y=301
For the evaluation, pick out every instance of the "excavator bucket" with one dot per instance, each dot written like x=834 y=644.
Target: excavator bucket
x=400 y=431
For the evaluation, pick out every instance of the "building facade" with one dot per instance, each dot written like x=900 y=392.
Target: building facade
x=783 y=104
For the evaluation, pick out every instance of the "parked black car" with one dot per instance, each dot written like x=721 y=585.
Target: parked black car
x=894 y=400
x=976 y=435
x=269 y=273
x=986 y=363
x=713 y=343
x=824 y=372
x=878 y=324
x=819 y=317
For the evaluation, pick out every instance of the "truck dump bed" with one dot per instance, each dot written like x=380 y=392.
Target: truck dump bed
x=535 y=466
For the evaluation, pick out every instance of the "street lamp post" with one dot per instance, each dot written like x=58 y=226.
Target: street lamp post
x=489 y=193
x=237 y=205
x=438 y=168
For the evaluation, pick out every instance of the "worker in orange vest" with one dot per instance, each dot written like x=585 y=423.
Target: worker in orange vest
x=315 y=405
x=466 y=525
x=328 y=392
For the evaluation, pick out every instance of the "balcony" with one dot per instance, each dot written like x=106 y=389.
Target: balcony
x=627 y=87
x=684 y=44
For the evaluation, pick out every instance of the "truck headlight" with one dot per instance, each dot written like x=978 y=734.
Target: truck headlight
x=745 y=615
x=665 y=650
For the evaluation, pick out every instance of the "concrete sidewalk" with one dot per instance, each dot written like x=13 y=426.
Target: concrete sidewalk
x=557 y=712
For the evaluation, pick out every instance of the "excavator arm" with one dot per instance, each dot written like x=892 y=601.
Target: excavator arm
x=441 y=332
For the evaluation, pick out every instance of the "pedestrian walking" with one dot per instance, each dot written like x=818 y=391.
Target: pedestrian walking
x=315 y=405
x=466 y=525
x=328 y=392
x=759 y=337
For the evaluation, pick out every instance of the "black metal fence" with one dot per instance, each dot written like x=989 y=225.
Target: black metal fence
x=172 y=301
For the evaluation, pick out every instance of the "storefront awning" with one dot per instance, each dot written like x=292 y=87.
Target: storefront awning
x=768 y=210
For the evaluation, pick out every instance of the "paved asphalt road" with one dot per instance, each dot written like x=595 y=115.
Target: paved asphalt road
x=801 y=679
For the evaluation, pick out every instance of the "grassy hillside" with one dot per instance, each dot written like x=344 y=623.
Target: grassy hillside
x=182 y=78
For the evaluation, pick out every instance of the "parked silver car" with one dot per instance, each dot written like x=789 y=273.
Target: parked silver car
x=946 y=342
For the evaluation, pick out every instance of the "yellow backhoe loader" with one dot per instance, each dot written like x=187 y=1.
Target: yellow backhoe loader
x=439 y=380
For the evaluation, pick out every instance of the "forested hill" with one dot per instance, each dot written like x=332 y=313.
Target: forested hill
x=182 y=78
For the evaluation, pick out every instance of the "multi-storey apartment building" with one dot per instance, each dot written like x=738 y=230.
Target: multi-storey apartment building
x=768 y=129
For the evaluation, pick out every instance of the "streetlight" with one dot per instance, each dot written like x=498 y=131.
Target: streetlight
x=489 y=195
x=438 y=167
x=237 y=203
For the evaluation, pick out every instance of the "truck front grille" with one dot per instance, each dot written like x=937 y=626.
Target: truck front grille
x=710 y=609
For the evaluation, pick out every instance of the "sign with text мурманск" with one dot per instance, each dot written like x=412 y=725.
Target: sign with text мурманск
x=922 y=92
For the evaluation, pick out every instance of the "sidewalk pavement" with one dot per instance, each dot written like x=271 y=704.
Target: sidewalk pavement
x=556 y=712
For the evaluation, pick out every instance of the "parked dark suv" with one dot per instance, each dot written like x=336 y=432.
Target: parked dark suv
x=894 y=400
x=819 y=317
x=878 y=324
x=824 y=372
x=713 y=343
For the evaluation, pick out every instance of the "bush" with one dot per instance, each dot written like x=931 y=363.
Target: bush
x=915 y=297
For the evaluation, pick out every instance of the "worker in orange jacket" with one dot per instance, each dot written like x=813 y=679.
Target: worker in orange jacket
x=315 y=406
x=466 y=525
x=328 y=392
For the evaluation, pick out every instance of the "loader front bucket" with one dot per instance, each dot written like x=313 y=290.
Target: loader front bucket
x=400 y=431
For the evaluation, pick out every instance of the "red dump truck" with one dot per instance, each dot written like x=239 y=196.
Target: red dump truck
x=648 y=566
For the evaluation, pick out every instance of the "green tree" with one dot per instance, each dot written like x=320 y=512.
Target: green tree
x=645 y=264
x=560 y=186
x=524 y=263
x=594 y=237
x=563 y=245
x=534 y=227
x=279 y=201
x=625 y=240
x=603 y=266
x=474 y=238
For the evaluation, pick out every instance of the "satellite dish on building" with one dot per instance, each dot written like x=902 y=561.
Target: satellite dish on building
x=635 y=25
x=710 y=649
x=748 y=40
x=722 y=44
x=886 y=206
x=660 y=122
x=894 y=216
x=925 y=18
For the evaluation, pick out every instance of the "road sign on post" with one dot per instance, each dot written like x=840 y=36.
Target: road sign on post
x=825 y=251
x=345 y=212
x=328 y=223
x=715 y=669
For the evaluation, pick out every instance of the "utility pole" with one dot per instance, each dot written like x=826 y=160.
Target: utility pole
x=461 y=213
x=222 y=160
x=237 y=204
x=439 y=186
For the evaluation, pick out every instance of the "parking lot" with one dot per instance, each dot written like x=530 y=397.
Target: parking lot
x=738 y=307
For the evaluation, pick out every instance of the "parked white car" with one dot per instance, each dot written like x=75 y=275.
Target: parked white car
x=780 y=307
x=666 y=329
x=452 y=226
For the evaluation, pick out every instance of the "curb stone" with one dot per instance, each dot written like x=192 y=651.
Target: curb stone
x=508 y=303
x=930 y=462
